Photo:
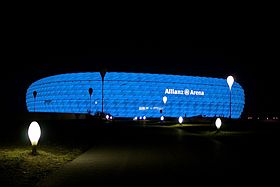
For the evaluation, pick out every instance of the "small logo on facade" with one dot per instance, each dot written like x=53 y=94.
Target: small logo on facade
x=187 y=92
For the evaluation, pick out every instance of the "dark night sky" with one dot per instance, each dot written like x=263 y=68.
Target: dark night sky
x=252 y=62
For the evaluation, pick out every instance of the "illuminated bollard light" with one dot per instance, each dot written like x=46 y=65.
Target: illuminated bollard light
x=34 y=133
x=218 y=124
x=180 y=119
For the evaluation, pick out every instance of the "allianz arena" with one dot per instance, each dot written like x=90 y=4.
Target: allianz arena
x=136 y=95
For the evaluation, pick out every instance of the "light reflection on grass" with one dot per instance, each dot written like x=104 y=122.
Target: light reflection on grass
x=19 y=167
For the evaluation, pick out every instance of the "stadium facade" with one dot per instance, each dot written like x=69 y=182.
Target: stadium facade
x=136 y=95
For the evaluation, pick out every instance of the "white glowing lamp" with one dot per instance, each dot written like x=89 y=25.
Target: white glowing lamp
x=180 y=120
x=230 y=81
x=34 y=133
x=107 y=116
x=218 y=123
x=164 y=99
x=161 y=118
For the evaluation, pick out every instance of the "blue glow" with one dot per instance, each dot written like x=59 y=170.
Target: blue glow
x=136 y=94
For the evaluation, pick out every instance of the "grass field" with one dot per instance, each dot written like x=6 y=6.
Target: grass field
x=56 y=147
x=60 y=144
x=18 y=167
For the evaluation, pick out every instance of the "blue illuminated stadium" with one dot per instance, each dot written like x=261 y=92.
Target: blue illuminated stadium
x=136 y=95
